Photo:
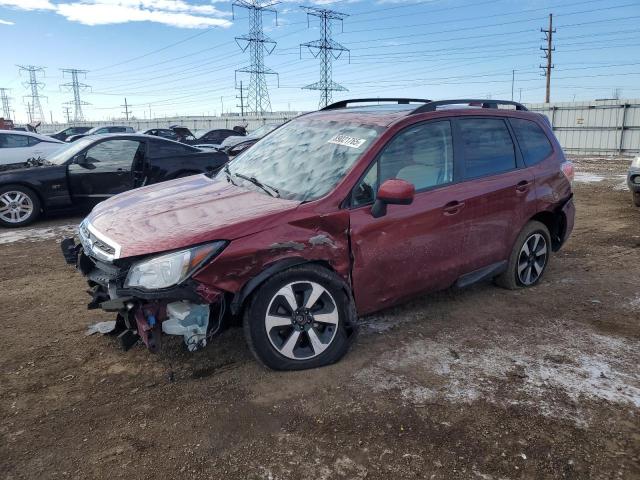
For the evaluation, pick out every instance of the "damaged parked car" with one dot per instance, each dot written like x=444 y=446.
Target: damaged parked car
x=336 y=214
x=633 y=181
x=92 y=169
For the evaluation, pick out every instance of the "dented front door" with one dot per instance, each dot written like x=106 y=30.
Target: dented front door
x=412 y=249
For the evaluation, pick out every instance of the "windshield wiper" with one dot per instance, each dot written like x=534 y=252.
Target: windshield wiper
x=228 y=173
x=270 y=190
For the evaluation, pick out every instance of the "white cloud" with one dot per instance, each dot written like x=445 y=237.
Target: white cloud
x=6 y=22
x=28 y=4
x=176 y=13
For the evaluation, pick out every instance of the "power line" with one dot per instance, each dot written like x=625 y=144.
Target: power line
x=76 y=87
x=327 y=50
x=258 y=44
x=548 y=55
x=34 y=107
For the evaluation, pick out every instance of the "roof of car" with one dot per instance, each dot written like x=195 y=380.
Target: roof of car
x=39 y=136
x=384 y=113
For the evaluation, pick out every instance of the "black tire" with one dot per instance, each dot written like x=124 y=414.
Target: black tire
x=636 y=198
x=510 y=278
x=31 y=199
x=262 y=345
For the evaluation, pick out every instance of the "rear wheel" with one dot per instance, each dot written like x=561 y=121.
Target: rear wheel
x=19 y=206
x=299 y=319
x=529 y=257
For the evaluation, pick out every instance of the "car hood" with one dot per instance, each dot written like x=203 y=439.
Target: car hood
x=184 y=212
x=31 y=164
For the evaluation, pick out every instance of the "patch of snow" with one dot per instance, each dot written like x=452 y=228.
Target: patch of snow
x=57 y=232
x=548 y=369
x=586 y=177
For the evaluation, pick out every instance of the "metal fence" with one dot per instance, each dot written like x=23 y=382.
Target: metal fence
x=606 y=127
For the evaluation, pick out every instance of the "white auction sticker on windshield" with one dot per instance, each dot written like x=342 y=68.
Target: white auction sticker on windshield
x=347 y=141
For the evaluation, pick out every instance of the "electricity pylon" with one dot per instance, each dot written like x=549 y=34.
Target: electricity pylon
x=6 y=110
x=75 y=86
x=258 y=44
x=327 y=50
x=35 y=107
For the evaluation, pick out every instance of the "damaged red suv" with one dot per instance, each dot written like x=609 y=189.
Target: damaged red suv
x=337 y=213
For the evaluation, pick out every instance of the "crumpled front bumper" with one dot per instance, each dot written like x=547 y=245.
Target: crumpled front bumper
x=141 y=313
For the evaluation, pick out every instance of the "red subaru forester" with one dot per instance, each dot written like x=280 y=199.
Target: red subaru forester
x=335 y=214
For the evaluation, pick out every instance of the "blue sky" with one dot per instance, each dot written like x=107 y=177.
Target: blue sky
x=178 y=57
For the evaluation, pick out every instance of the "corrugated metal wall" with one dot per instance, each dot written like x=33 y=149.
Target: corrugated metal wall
x=606 y=127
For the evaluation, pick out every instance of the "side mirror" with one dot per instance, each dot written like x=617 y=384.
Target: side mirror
x=80 y=159
x=395 y=192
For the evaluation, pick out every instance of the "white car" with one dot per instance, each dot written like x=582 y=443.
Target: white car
x=18 y=147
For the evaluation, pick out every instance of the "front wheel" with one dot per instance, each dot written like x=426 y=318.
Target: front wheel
x=19 y=206
x=529 y=257
x=636 y=198
x=300 y=318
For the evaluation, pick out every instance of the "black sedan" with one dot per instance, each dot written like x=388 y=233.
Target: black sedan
x=62 y=135
x=94 y=168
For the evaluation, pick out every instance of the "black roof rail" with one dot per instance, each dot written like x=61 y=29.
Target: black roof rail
x=399 y=101
x=485 y=103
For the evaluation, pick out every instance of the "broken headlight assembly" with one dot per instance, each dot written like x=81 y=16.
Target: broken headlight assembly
x=169 y=269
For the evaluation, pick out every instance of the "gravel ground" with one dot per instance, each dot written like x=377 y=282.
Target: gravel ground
x=476 y=383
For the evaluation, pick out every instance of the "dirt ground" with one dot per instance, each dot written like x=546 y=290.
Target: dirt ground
x=476 y=383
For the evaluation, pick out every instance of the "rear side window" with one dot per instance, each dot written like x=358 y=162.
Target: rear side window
x=534 y=144
x=33 y=141
x=488 y=147
x=14 y=141
x=158 y=148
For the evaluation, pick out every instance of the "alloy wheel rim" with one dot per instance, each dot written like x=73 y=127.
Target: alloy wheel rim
x=15 y=206
x=532 y=259
x=301 y=320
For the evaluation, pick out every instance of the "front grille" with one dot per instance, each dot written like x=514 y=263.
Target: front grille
x=93 y=246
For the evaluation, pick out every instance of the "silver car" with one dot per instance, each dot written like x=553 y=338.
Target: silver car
x=633 y=181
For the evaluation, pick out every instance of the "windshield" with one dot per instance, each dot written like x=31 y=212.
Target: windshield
x=262 y=131
x=304 y=159
x=68 y=151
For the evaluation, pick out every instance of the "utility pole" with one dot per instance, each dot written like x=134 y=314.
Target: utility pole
x=29 y=112
x=34 y=86
x=51 y=115
x=75 y=86
x=258 y=44
x=549 y=49
x=6 y=110
x=513 y=81
x=67 y=113
x=327 y=50
x=221 y=107
x=126 y=109
x=241 y=97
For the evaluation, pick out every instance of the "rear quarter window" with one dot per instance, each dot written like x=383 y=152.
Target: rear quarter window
x=534 y=143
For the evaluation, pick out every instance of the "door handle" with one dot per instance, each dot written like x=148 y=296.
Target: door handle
x=120 y=171
x=523 y=186
x=452 y=208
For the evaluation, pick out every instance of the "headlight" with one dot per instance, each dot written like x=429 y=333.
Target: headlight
x=171 y=269
x=636 y=162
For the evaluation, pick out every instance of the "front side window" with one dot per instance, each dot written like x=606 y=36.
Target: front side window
x=422 y=155
x=304 y=159
x=33 y=141
x=14 y=141
x=114 y=151
x=488 y=148
x=533 y=141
